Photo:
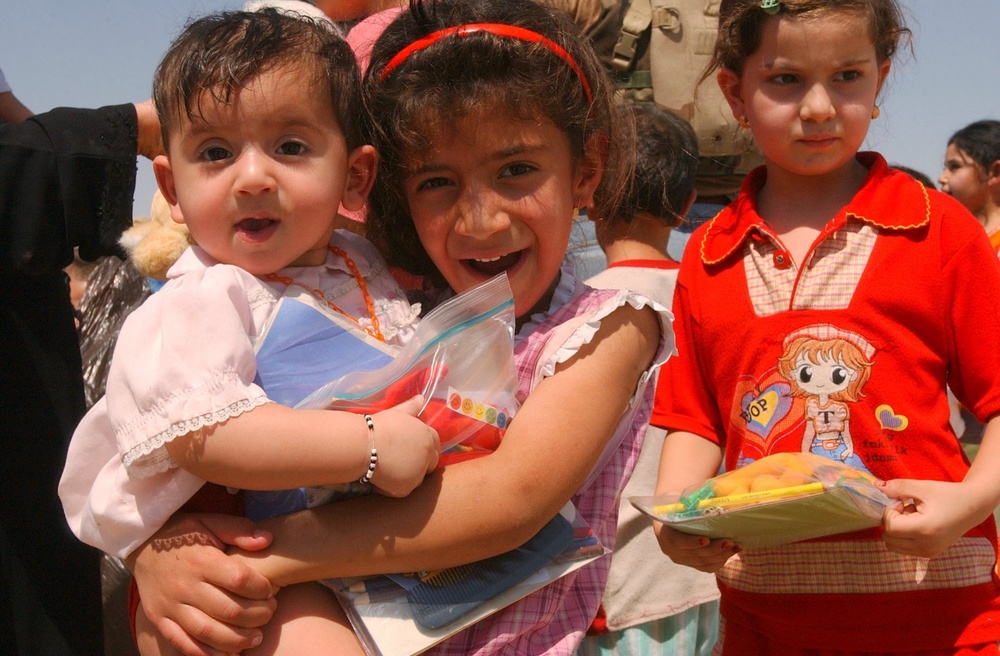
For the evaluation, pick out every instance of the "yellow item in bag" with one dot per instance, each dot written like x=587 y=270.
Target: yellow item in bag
x=779 y=499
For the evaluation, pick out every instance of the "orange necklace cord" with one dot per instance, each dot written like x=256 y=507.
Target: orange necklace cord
x=375 y=331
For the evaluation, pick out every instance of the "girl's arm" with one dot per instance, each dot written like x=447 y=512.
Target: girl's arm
x=688 y=460
x=274 y=447
x=479 y=508
x=936 y=513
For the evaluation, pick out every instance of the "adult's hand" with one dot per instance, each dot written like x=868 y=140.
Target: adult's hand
x=204 y=603
x=150 y=142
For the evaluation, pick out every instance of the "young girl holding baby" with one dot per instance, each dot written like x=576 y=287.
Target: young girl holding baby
x=827 y=245
x=495 y=124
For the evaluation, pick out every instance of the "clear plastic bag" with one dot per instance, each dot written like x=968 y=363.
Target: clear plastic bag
x=460 y=359
x=779 y=499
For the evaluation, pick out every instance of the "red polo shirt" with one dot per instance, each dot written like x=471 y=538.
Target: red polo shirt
x=848 y=351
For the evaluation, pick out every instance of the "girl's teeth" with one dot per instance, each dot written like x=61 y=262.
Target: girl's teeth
x=488 y=260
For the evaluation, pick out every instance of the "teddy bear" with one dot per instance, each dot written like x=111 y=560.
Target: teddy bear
x=155 y=242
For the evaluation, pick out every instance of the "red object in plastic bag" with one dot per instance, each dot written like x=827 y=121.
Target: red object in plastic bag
x=460 y=359
x=465 y=435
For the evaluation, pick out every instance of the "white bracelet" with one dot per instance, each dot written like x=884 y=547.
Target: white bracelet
x=367 y=478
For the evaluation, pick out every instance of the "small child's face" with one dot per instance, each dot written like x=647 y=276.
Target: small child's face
x=964 y=179
x=259 y=181
x=809 y=90
x=494 y=195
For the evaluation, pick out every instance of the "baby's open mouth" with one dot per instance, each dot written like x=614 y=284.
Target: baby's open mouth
x=255 y=225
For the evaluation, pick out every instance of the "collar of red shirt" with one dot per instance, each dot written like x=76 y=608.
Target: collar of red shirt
x=889 y=200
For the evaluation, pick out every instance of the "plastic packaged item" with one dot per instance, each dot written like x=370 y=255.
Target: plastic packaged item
x=779 y=499
x=402 y=615
x=460 y=359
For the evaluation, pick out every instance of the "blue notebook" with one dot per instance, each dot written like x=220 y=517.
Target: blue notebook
x=303 y=347
x=441 y=597
x=427 y=608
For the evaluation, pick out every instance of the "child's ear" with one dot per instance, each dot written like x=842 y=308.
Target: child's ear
x=883 y=73
x=590 y=169
x=692 y=197
x=993 y=174
x=362 y=166
x=165 y=181
x=731 y=87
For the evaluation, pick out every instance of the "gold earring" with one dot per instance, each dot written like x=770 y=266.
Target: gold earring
x=576 y=213
x=744 y=123
x=876 y=112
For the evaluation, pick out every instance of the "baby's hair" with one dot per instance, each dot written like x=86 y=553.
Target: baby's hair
x=980 y=141
x=741 y=23
x=218 y=55
x=507 y=76
x=666 y=161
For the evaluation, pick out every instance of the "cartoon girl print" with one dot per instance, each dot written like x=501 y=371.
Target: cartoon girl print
x=829 y=367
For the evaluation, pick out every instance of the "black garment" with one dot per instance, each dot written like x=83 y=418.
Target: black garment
x=66 y=180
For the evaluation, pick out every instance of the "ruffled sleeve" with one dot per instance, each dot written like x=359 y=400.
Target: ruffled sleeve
x=579 y=331
x=572 y=321
x=183 y=361
x=560 y=336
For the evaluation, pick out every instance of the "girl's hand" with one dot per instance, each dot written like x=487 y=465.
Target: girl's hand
x=408 y=449
x=930 y=516
x=695 y=551
x=199 y=599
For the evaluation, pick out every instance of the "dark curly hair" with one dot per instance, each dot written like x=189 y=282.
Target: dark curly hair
x=666 y=161
x=216 y=56
x=980 y=141
x=442 y=83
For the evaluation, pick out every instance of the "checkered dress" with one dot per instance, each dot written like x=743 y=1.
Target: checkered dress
x=553 y=620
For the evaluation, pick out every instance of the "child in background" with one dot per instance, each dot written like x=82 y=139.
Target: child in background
x=972 y=174
x=497 y=122
x=635 y=239
x=828 y=246
x=651 y=605
x=259 y=119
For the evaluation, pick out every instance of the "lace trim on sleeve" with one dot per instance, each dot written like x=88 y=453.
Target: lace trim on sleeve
x=149 y=458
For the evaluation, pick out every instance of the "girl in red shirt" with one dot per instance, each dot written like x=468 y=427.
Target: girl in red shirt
x=828 y=244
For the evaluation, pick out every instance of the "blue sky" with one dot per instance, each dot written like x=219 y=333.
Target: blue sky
x=71 y=53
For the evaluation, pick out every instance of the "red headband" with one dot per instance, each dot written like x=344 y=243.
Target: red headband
x=494 y=28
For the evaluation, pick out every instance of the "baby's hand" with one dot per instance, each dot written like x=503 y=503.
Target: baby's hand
x=408 y=449
x=930 y=516
x=695 y=551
